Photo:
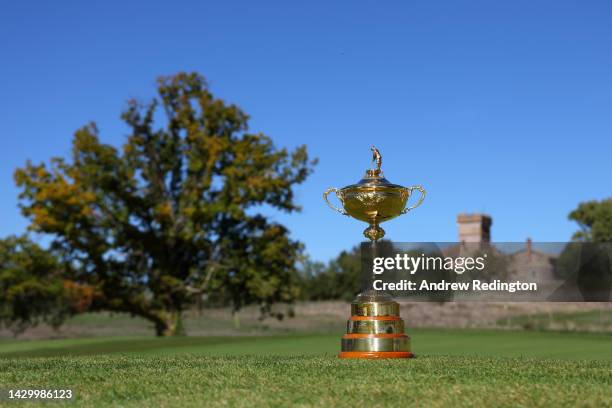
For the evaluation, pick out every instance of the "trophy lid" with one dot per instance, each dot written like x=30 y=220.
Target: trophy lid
x=374 y=177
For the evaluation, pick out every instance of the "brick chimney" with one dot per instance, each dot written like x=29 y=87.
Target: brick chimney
x=474 y=227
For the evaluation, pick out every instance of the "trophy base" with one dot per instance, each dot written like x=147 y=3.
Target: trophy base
x=375 y=354
x=375 y=329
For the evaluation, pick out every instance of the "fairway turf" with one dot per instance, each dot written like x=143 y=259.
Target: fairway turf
x=453 y=368
x=493 y=343
x=248 y=381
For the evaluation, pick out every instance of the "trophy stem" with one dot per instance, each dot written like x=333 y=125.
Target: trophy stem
x=374 y=232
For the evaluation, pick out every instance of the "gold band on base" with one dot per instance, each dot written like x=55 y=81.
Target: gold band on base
x=375 y=326
x=377 y=342
x=375 y=309
x=375 y=354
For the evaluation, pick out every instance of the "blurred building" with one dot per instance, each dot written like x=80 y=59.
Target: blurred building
x=531 y=265
x=527 y=264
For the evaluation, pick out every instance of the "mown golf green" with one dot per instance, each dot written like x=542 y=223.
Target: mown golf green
x=453 y=368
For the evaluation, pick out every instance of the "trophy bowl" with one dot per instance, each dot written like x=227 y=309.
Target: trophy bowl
x=374 y=199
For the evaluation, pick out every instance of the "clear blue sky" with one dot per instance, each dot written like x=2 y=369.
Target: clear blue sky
x=501 y=107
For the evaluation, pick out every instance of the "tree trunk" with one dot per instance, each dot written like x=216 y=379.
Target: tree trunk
x=236 y=318
x=168 y=324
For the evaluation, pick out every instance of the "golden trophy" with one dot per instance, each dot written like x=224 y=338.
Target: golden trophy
x=375 y=329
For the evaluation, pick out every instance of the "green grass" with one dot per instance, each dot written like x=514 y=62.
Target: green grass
x=427 y=342
x=453 y=368
x=248 y=381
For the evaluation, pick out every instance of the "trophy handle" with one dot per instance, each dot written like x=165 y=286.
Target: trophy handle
x=410 y=190
x=335 y=190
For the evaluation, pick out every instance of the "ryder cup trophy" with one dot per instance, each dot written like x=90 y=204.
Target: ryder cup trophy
x=375 y=329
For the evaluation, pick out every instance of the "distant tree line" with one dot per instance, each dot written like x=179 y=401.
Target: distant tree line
x=338 y=279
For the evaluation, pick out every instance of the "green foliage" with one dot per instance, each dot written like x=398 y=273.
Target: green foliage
x=173 y=214
x=31 y=285
x=339 y=279
x=587 y=263
x=497 y=265
x=595 y=221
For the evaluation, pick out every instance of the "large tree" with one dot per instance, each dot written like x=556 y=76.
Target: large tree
x=175 y=213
